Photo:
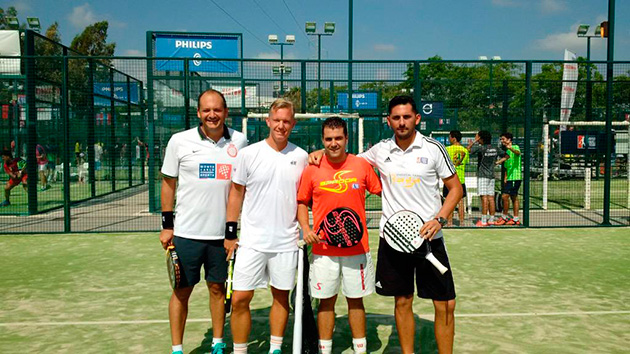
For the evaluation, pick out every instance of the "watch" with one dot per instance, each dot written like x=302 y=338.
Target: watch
x=441 y=220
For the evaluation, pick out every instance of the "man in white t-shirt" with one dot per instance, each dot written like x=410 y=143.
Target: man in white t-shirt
x=265 y=184
x=410 y=166
x=198 y=164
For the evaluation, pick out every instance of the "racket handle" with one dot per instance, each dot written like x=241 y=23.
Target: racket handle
x=439 y=266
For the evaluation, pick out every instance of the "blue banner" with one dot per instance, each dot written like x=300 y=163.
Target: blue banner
x=210 y=46
x=120 y=93
x=360 y=101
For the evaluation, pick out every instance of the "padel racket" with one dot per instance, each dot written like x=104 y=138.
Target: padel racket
x=228 y=283
x=342 y=227
x=305 y=332
x=402 y=233
x=173 y=266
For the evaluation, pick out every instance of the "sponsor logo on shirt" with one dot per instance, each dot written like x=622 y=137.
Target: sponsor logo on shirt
x=232 y=151
x=215 y=171
x=388 y=159
x=407 y=181
x=294 y=163
x=355 y=186
x=423 y=160
x=338 y=180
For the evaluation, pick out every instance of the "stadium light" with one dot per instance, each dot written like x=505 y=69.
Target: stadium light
x=582 y=30
x=288 y=40
x=311 y=30
x=12 y=22
x=33 y=23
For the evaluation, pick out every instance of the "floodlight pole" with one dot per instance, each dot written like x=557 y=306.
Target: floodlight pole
x=319 y=59
x=350 y=25
x=281 y=44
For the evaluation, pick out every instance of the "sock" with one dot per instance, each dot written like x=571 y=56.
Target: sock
x=216 y=340
x=359 y=345
x=325 y=346
x=484 y=218
x=275 y=343
x=491 y=218
x=178 y=347
x=515 y=218
x=240 y=348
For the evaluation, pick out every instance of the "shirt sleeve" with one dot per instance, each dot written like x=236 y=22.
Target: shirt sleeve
x=370 y=155
x=443 y=165
x=239 y=170
x=170 y=166
x=305 y=191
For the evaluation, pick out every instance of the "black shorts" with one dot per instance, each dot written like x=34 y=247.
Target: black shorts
x=395 y=272
x=511 y=188
x=195 y=253
x=445 y=190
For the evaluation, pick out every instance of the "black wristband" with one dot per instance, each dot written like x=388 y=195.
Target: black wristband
x=168 y=219
x=230 y=230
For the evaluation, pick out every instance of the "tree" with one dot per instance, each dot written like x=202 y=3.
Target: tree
x=92 y=41
x=12 y=12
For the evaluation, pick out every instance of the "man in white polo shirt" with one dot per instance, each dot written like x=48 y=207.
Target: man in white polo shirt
x=198 y=164
x=410 y=166
x=265 y=184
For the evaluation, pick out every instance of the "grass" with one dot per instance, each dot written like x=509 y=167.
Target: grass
x=518 y=291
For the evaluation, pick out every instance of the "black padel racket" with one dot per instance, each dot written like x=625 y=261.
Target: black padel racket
x=173 y=266
x=342 y=227
x=402 y=233
x=229 y=282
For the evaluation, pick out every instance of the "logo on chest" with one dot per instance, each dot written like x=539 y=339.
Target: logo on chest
x=215 y=171
x=339 y=184
x=422 y=160
x=232 y=151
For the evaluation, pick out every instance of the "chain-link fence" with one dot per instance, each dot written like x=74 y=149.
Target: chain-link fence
x=118 y=113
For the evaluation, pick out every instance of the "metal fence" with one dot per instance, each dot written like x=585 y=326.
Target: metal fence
x=516 y=96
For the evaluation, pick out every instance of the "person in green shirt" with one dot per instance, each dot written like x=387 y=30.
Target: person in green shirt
x=512 y=180
x=459 y=156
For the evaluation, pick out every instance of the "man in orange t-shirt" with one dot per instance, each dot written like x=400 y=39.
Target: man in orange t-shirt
x=339 y=181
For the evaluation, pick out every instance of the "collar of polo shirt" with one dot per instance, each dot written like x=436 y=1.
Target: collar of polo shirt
x=226 y=133
x=417 y=142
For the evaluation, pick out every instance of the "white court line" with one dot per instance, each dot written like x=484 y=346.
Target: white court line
x=426 y=316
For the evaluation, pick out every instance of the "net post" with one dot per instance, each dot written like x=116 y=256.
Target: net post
x=244 y=126
x=360 y=147
x=545 y=161
x=587 y=188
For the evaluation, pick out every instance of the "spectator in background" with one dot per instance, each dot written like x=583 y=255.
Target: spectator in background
x=16 y=169
x=42 y=166
x=512 y=180
x=487 y=158
x=459 y=156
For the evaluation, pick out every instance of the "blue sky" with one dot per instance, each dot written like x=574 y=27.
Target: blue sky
x=392 y=29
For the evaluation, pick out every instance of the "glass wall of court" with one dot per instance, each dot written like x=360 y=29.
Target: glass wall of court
x=521 y=97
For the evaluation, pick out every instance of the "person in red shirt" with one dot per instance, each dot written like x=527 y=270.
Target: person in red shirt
x=339 y=181
x=16 y=169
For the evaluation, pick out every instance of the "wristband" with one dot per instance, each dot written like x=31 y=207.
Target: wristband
x=168 y=219
x=230 y=230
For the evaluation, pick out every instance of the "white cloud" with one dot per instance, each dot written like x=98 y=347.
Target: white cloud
x=551 y=6
x=20 y=6
x=133 y=53
x=82 y=16
x=384 y=47
x=506 y=3
x=557 y=42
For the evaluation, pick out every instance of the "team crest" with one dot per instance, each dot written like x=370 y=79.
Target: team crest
x=232 y=151
x=423 y=160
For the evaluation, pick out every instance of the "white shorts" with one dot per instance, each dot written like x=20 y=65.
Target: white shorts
x=42 y=168
x=326 y=275
x=485 y=186
x=253 y=269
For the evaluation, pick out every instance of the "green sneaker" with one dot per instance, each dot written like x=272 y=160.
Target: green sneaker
x=218 y=348
x=178 y=352
x=277 y=351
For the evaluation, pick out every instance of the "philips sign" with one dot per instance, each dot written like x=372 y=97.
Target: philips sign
x=197 y=47
x=360 y=101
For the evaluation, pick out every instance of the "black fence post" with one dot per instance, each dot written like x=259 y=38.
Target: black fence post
x=528 y=132
x=67 y=202
x=31 y=122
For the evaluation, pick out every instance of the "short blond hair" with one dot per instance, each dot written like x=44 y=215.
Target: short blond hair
x=282 y=103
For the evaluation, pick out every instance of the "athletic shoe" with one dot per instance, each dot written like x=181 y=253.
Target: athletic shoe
x=5 y=203
x=277 y=351
x=501 y=221
x=513 y=222
x=178 y=352
x=481 y=224
x=491 y=222
x=218 y=348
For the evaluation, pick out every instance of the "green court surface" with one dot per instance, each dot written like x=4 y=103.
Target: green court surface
x=518 y=291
